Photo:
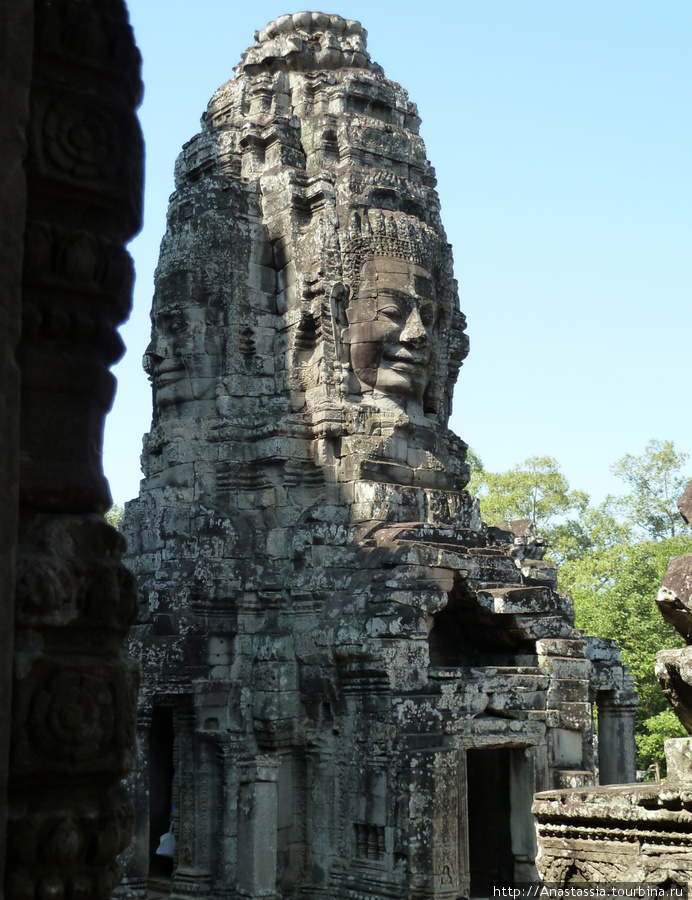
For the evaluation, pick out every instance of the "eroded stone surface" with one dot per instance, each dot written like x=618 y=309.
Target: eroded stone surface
x=639 y=833
x=674 y=598
x=339 y=645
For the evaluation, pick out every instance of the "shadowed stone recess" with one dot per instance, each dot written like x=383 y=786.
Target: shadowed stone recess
x=338 y=643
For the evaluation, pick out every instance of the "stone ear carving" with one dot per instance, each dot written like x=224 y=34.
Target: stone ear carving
x=339 y=300
x=340 y=297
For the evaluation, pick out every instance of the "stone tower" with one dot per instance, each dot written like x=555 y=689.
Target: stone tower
x=351 y=686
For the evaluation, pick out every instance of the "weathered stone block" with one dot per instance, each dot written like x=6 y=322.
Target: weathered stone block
x=679 y=759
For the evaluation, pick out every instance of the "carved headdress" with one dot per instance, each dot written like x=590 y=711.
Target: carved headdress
x=309 y=164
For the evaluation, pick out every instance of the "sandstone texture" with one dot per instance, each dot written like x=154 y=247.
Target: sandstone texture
x=640 y=833
x=352 y=687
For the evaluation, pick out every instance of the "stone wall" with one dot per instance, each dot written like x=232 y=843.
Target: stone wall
x=71 y=197
x=336 y=651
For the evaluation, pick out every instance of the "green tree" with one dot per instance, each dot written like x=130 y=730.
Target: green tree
x=614 y=592
x=597 y=530
x=477 y=472
x=656 y=481
x=535 y=489
x=114 y=516
x=652 y=735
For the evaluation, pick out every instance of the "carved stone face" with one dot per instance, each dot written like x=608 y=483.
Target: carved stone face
x=182 y=359
x=391 y=322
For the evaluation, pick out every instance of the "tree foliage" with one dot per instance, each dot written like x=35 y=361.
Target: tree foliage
x=114 y=516
x=656 y=481
x=535 y=489
x=652 y=735
x=614 y=594
x=597 y=530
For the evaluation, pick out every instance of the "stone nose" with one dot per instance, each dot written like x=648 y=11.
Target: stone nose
x=155 y=350
x=414 y=331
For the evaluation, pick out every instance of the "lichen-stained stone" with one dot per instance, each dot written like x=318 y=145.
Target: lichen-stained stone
x=685 y=503
x=674 y=598
x=637 y=833
x=326 y=625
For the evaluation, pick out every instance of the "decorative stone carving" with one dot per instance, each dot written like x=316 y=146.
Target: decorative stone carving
x=76 y=197
x=319 y=593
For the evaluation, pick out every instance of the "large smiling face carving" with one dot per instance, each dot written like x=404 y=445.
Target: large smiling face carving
x=182 y=359
x=391 y=324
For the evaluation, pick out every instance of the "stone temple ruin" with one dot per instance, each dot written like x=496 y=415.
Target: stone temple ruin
x=351 y=686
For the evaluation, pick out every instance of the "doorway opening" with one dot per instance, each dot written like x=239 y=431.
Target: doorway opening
x=489 y=824
x=161 y=773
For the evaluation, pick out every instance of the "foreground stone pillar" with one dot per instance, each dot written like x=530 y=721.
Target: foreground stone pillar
x=74 y=691
x=16 y=21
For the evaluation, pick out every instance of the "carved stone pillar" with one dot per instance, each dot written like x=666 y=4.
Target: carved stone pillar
x=616 y=744
x=258 y=811
x=522 y=787
x=135 y=859
x=434 y=838
x=227 y=753
x=74 y=693
x=15 y=77
x=323 y=810
x=195 y=766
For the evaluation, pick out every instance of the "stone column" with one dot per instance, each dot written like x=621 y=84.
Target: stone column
x=522 y=787
x=434 y=825
x=616 y=742
x=323 y=810
x=194 y=781
x=135 y=860
x=227 y=753
x=16 y=32
x=258 y=811
x=71 y=189
x=464 y=855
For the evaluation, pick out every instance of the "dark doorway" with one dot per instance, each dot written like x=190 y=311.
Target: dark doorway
x=161 y=772
x=490 y=839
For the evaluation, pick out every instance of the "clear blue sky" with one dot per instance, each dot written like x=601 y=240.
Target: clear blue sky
x=562 y=138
